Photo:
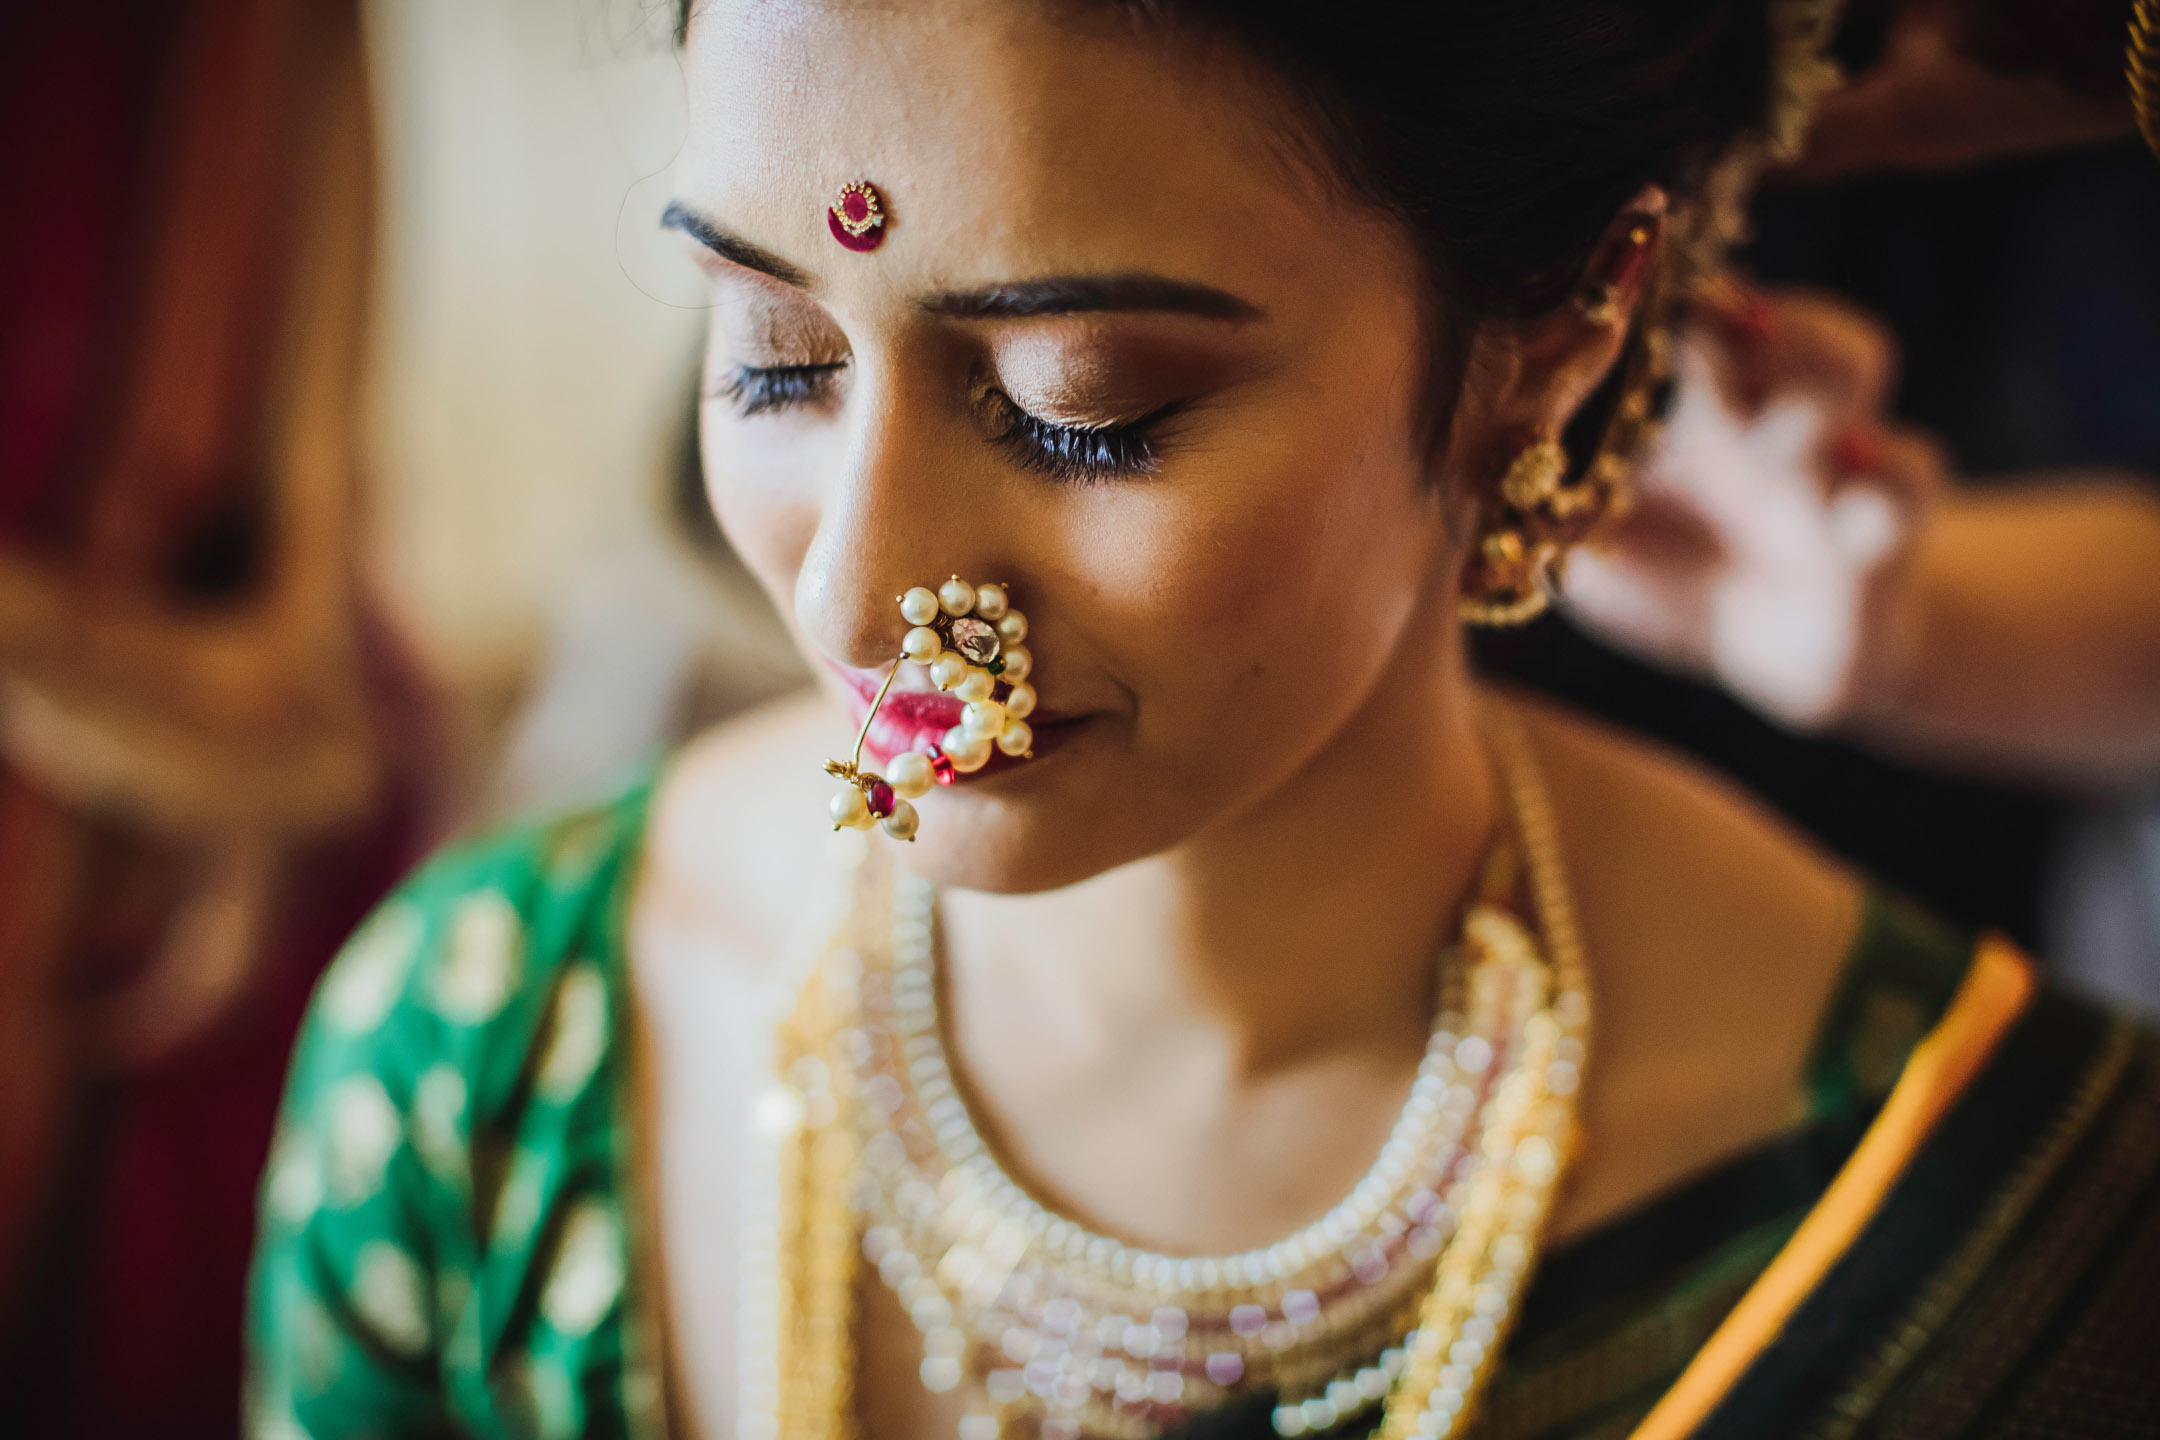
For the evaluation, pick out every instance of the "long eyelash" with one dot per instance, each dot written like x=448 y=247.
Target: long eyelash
x=1078 y=454
x=759 y=390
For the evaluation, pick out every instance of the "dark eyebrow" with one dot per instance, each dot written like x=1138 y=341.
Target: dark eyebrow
x=1059 y=295
x=679 y=216
x=1084 y=294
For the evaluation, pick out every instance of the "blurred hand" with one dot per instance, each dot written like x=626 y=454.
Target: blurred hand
x=1929 y=105
x=1770 y=510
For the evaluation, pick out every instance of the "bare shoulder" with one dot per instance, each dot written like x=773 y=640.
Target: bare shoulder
x=1662 y=847
x=1716 y=934
x=738 y=832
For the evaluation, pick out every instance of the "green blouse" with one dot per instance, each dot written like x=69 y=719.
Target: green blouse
x=447 y=1223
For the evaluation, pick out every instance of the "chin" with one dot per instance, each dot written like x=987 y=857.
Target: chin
x=1037 y=825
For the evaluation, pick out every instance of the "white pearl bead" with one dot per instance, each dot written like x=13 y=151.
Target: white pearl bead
x=1021 y=702
x=977 y=686
x=919 y=606
x=1019 y=662
x=921 y=645
x=985 y=718
x=1013 y=628
x=948 y=670
x=850 y=808
x=1017 y=738
x=990 y=602
x=903 y=822
x=956 y=596
x=910 y=775
x=967 y=752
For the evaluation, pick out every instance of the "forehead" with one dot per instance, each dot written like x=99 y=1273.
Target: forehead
x=1008 y=137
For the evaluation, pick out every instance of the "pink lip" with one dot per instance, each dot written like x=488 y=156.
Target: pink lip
x=918 y=719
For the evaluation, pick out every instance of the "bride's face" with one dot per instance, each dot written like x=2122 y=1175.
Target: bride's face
x=1122 y=349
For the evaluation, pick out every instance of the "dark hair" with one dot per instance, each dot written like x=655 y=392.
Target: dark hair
x=1507 y=133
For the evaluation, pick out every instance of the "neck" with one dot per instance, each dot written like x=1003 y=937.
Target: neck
x=1305 y=926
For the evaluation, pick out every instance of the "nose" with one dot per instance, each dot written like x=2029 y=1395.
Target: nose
x=898 y=516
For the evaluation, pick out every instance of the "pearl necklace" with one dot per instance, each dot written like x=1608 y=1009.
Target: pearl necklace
x=1400 y=1294
x=1102 y=1338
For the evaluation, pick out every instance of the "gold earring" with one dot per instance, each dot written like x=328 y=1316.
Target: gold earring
x=970 y=638
x=1533 y=477
x=1514 y=573
x=1509 y=580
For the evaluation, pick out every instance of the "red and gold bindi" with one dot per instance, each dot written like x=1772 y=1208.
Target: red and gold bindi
x=857 y=217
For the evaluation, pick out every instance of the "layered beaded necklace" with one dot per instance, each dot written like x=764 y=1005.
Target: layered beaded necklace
x=1400 y=1296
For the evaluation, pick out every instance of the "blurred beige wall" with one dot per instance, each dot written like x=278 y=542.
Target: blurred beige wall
x=532 y=368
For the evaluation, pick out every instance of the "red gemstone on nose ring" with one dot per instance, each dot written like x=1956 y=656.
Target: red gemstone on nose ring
x=941 y=767
x=857 y=218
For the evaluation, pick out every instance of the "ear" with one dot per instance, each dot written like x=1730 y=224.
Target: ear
x=1528 y=377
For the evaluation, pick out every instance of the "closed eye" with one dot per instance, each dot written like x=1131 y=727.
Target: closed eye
x=1077 y=454
x=764 y=389
x=1071 y=454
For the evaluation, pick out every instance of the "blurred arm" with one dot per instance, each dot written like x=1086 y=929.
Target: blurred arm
x=2022 y=631
x=1963 y=82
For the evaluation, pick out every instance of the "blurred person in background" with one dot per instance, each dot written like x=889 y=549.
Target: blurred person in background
x=1959 y=684
x=1211 y=1052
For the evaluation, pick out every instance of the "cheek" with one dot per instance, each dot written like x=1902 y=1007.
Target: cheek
x=762 y=479
x=1281 y=598
x=1296 y=585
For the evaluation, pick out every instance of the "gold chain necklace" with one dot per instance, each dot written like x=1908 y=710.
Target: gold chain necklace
x=1401 y=1295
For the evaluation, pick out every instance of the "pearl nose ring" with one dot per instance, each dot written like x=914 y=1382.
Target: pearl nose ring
x=972 y=641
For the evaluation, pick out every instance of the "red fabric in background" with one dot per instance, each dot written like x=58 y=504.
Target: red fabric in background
x=76 y=86
x=136 y=1331
x=156 y=1344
